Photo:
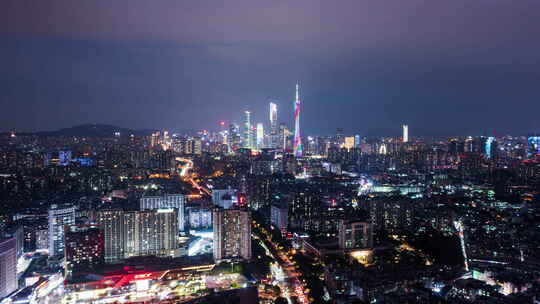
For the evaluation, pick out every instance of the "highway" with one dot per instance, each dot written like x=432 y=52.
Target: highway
x=185 y=173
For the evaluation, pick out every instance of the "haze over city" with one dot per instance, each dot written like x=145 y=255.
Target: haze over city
x=444 y=67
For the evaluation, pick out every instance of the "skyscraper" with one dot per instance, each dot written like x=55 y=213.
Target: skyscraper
x=260 y=136
x=297 y=139
x=405 y=133
x=273 y=126
x=247 y=131
x=233 y=137
x=8 y=266
x=283 y=137
x=59 y=217
x=232 y=234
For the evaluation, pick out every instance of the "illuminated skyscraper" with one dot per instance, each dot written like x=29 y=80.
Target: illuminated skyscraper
x=405 y=133
x=233 y=137
x=59 y=217
x=273 y=126
x=247 y=131
x=260 y=136
x=297 y=139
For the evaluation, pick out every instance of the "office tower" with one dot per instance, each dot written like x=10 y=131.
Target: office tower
x=247 y=130
x=232 y=234
x=490 y=147
x=154 y=139
x=273 y=126
x=224 y=198
x=357 y=141
x=405 y=133
x=339 y=137
x=112 y=224
x=233 y=137
x=260 y=136
x=8 y=266
x=85 y=247
x=297 y=138
x=175 y=201
x=279 y=216
x=355 y=234
x=165 y=136
x=59 y=217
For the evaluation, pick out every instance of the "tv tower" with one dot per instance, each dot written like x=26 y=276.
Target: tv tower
x=297 y=138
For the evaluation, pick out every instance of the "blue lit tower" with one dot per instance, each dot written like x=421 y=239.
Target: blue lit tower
x=297 y=138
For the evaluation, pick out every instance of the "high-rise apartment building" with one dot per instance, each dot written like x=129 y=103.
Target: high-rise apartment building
x=59 y=217
x=279 y=216
x=150 y=232
x=139 y=233
x=175 y=201
x=232 y=234
x=8 y=266
x=112 y=223
x=355 y=234
x=224 y=198
x=85 y=247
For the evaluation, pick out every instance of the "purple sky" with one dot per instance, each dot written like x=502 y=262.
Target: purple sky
x=443 y=67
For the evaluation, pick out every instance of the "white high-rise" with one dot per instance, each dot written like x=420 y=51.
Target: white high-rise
x=247 y=131
x=405 y=133
x=260 y=136
x=273 y=126
x=59 y=217
x=176 y=201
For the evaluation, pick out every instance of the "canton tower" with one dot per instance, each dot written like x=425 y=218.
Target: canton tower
x=297 y=138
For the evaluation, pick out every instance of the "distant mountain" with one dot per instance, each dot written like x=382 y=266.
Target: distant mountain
x=94 y=130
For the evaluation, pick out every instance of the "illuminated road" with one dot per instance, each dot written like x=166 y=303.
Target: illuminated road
x=184 y=173
x=284 y=273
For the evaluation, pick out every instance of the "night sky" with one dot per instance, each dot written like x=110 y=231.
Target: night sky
x=449 y=67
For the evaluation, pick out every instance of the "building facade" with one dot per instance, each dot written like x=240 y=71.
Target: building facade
x=8 y=266
x=175 y=201
x=232 y=234
x=59 y=217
